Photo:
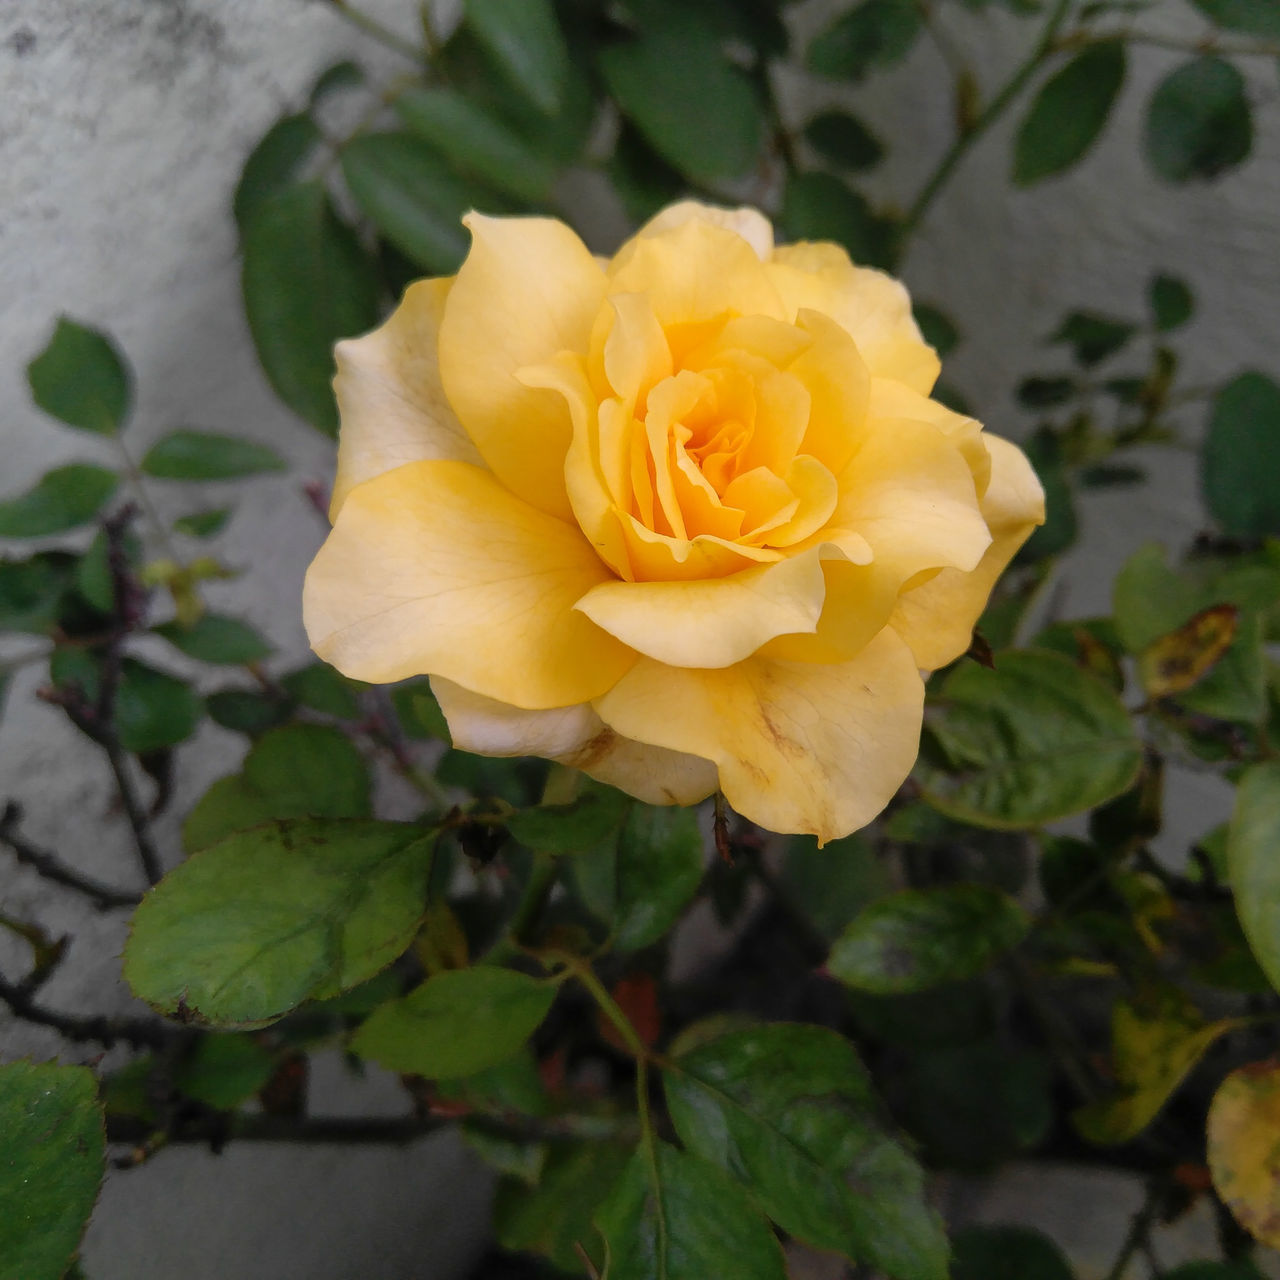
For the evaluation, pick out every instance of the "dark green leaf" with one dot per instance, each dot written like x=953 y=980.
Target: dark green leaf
x=1069 y=113
x=832 y=884
x=213 y=637
x=205 y=455
x=223 y=1071
x=274 y=164
x=307 y=283
x=31 y=590
x=1255 y=17
x=203 y=524
x=323 y=689
x=475 y=142
x=81 y=379
x=456 y=1023
x=844 y=140
x=94 y=579
x=1241 y=457
x=819 y=206
x=644 y=181
x=593 y=817
x=675 y=1216
x=525 y=42
x=790 y=1110
x=939 y=330
x=1199 y=123
x=1149 y=600
x=412 y=197
x=1171 y=302
x=1033 y=740
x=698 y=110
x=920 y=938
x=1093 y=337
x=54 y=1148
x=418 y=711
x=243 y=932
x=1044 y=393
x=60 y=500
x=153 y=709
x=342 y=75
x=947 y=396
x=1006 y=1253
x=245 y=711
x=1110 y=475
x=877 y=33
x=1252 y=839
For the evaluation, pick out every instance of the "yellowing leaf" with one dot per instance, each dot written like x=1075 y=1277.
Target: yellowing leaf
x=1244 y=1148
x=1173 y=663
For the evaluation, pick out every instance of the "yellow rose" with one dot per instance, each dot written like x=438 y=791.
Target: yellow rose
x=682 y=519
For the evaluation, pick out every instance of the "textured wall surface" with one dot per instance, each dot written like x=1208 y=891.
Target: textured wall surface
x=124 y=124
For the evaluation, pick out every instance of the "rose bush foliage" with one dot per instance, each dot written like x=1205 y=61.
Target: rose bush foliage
x=683 y=519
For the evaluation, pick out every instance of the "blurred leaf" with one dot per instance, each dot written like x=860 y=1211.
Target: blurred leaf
x=243 y=932
x=475 y=142
x=1173 y=663
x=307 y=283
x=222 y=1071
x=844 y=140
x=1061 y=524
x=1090 y=643
x=832 y=884
x=920 y=938
x=576 y=827
x=525 y=42
x=323 y=689
x=60 y=500
x=203 y=524
x=1235 y=687
x=216 y=638
x=418 y=711
x=523 y=1161
x=1006 y=1253
x=1106 y=475
x=205 y=455
x=81 y=379
x=697 y=109
x=673 y=1214
x=1171 y=303
x=1045 y=393
x=1093 y=337
x=938 y=329
x=1199 y=122
x=154 y=710
x=245 y=710
x=819 y=206
x=342 y=75
x=54 y=1149
x=1069 y=112
x=31 y=590
x=93 y=578
x=790 y=1111
x=1256 y=17
x=456 y=1023
x=1033 y=741
x=274 y=164
x=877 y=33
x=1244 y=1117
x=1241 y=457
x=1252 y=840
x=1149 y=599
x=644 y=181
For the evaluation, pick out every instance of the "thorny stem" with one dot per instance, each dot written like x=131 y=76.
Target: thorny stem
x=1044 y=48
x=376 y=31
x=52 y=868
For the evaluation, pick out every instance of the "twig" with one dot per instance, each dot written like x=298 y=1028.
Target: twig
x=138 y=1032
x=50 y=867
x=218 y=1128
x=376 y=31
x=1137 y=1237
x=148 y=856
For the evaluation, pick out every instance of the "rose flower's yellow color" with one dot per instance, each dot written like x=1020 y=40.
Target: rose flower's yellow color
x=683 y=519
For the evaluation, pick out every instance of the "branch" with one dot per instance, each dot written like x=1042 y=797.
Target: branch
x=218 y=1128
x=141 y=1033
x=50 y=867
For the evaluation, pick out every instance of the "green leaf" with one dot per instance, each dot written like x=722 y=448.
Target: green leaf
x=1241 y=457
x=60 y=500
x=1032 y=741
x=457 y=1023
x=203 y=524
x=205 y=455
x=1199 y=122
x=54 y=1147
x=644 y=181
x=323 y=689
x=697 y=109
x=418 y=711
x=342 y=75
x=93 y=574
x=81 y=379
x=920 y=938
x=32 y=590
x=877 y=33
x=1255 y=17
x=1068 y=113
x=790 y=1110
x=844 y=140
x=477 y=143
x=937 y=328
x=1093 y=337
x=214 y=637
x=524 y=40
x=673 y=1216
x=1045 y=393
x=1171 y=303
x=223 y=1071
x=1150 y=600
x=832 y=884
x=1253 y=868
x=246 y=711
x=819 y=206
x=243 y=932
x=412 y=197
x=576 y=827
x=307 y=283
x=1006 y=1253
x=274 y=164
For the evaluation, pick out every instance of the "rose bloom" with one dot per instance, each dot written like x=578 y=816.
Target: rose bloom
x=683 y=519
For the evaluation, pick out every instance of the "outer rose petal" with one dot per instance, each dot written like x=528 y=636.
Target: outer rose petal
x=392 y=404
x=436 y=568
x=937 y=618
x=575 y=736
x=527 y=290
x=801 y=747
x=751 y=225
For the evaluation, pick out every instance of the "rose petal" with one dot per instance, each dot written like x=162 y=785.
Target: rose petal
x=801 y=747
x=435 y=568
x=527 y=290
x=750 y=224
x=392 y=404
x=891 y=399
